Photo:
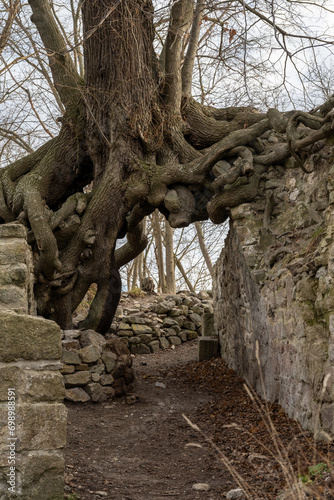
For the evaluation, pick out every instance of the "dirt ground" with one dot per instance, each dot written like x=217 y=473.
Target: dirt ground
x=147 y=450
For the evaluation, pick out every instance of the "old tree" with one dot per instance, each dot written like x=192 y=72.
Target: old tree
x=132 y=130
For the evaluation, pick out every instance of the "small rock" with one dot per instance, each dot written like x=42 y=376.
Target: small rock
x=90 y=354
x=101 y=493
x=77 y=378
x=77 y=395
x=235 y=494
x=109 y=359
x=90 y=337
x=174 y=340
x=164 y=344
x=161 y=385
x=201 y=487
x=131 y=399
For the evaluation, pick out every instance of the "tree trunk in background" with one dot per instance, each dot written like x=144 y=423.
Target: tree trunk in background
x=170 y=265
x=184 y=274
x=203 y=248
x=159 y=253
x=135 y=273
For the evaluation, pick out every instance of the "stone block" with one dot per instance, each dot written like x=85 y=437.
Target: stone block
x=129 y=375
x=17 y=275
x=100 y=369
x=90 y=354
x=137 y=320
x=90 y=337
x=37 y=386
x=196 y=318
x=71 y=343
x=27 y=337
x=77 y=395
x=123 y=326
x=208 y=326
x=109 y=359
x=169 y=332
x=77 y=378
x=145 y=338
x=154 y=346
x=327 y=417
x=13 y=252
x=174 y=340
x=82 y=367
x=40 y=426
x=175 y=311
x=164 y=344
x=13 y=230
x=180 y=320
x=189 y=325
x=138 y=329
x=169 y=322
x=207 y=348
x=119 y=369
x=42 y=476
x=139 y=349
x=71 y=357
x=96 y=392
x=14 y=298
x=9 y=378
x=191 y=335
x=125 y=333
x=183 y=336
x=119 y=386
x=66 y=369
x=163 y=308
x=106 y=379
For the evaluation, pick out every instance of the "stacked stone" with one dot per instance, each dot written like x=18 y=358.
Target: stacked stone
x=167 y=321
x=95 y=368
x=16 y=270
x=32 y=414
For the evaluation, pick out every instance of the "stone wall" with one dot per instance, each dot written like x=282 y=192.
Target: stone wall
x=97 y=368
x=275 y=289
x=16 y=276
x=32 y=415
x=161 y=321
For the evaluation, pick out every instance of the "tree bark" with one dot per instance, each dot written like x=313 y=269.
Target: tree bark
x=203 y=248
x=160 y=258
x=170 y=265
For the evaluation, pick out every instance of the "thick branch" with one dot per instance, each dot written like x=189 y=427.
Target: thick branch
x=64 y=73
x=181 y=15
x=137 y=241
x=13 y=8
x=204 y=130
x=188 y=65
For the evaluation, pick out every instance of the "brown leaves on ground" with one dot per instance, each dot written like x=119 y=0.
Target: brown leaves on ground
x=263 y=445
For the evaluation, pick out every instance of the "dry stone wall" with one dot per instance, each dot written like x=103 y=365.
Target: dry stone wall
x=97 y=368
x=275 y=290
x=32 y=415
x=161 y=321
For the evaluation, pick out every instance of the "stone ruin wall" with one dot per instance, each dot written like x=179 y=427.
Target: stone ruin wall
x=31 y=451
x=274 y=288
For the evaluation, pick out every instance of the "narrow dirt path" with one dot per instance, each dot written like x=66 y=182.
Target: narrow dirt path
x=141 y=451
